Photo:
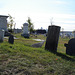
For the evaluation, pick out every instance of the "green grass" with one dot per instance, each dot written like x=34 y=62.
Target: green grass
x=22 y=59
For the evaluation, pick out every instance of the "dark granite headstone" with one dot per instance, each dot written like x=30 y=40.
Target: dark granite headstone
x=25 y=35
x=52 y=38
x=7 y=33
x=70 y=47
x=11 y=39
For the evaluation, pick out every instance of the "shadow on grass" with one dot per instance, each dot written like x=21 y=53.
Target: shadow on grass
x=63 y=56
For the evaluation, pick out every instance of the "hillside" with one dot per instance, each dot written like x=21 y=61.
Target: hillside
x=22 y=59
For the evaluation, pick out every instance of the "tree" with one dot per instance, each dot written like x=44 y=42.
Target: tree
x=31 y=27
x=10 y=22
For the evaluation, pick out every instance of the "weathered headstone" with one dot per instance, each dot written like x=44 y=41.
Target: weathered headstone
x=70 y=47
x=25 y=30
x=37 y=45
x=11 y=39
x=52 y=38
x=3 y=22
x=1 y=35
x=74 y=34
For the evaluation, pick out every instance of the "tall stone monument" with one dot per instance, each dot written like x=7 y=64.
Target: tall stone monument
x=3 y=22
x=25 y=30
x=3 y=26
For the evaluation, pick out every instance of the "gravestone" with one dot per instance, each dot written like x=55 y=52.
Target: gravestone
x=11 y=39
x=1 y=35
x=3 y=22
x=52 y=38
x=70 y=47
x=25 y=30
x=37 y=45
x=74 y=34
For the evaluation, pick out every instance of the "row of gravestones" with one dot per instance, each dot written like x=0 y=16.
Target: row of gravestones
x=4 y=30
x=10 y=39
x=25 y=32
x=51 y=41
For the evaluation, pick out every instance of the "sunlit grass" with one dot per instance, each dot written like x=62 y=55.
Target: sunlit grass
x=20 y=58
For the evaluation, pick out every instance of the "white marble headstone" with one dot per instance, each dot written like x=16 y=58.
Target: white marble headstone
x=25 y=28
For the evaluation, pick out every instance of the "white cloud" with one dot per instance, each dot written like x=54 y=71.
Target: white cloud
x=60 y=2
x=43 y=19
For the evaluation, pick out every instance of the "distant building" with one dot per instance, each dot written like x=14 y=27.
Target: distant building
x=17 y=30
x=41 y=31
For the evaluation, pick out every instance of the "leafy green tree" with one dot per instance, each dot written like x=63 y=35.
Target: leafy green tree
x=10 y=22
x=31 y=27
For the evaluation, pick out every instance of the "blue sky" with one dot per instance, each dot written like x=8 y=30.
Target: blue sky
x=41 y=12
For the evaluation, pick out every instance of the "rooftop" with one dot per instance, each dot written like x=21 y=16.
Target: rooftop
x=3 y=16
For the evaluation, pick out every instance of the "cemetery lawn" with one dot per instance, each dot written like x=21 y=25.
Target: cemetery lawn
x=22 y=59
